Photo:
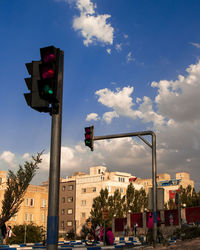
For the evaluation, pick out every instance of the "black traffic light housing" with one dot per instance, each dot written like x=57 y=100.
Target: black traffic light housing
x=33 y=99
x=89 y=137
x=48 y=84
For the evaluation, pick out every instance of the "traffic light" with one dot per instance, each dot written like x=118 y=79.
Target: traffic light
x=89 y=137
x=48 y=84
x=33 y=99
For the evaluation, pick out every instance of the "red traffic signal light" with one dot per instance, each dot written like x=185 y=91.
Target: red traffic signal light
x=89 y=137
x=49 y=70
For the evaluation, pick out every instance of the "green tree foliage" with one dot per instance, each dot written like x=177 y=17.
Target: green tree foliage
x=17 y=185
x=99 y=203
x=189 y=196
x=118 y=205
x=135 y=200
x=33 y=234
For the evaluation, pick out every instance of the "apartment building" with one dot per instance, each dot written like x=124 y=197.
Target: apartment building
x=34 y=207
x=170 y=185
x=88 y=187
x=67 y=203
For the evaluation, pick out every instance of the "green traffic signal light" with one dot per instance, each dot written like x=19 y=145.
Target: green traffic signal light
x=89 y=137
x=48 y=89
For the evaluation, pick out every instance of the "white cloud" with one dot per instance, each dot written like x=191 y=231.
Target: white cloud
x=92 y=116
x=86 y=6
x=197 y=45
x=26 y=156
x=108 y=116
x=129 y=57
x=178 y=100
x=8 y=157
x=109 y=51
x=93 y=27
x=118 y=47
x=122 y=104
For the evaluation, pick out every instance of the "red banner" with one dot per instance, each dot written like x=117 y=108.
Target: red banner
x=172 y=194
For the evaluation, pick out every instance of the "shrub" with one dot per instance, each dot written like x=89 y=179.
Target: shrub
x=34 y=234
x=187 y=232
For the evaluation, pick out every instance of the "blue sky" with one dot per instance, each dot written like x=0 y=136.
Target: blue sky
x=129 y=66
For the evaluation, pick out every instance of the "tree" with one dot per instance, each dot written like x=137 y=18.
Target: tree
x=171 y=204
x=34 y=233
x=135 y=200
x=116 y=204
x=189 y=196
x=99 y=203
x=16 y=187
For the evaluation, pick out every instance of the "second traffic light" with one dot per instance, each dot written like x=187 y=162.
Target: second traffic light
x=48 y=84
x=89 y=137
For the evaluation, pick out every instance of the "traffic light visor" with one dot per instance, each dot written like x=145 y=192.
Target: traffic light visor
x=88 y=130
x=48 y=54
x=48 y=57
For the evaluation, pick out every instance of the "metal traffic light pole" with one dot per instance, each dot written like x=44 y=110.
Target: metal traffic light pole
x=54 y=172
x=46 y=91
x=154 y=167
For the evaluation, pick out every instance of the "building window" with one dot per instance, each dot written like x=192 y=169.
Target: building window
x=14 y=218
x=44 y=203
x=69 y=199
x=83 y=190
x=83 y=215
x=94 y=189
x=31 y=202
x=63 y=199
x=121 y=190
x=42 y=217
x=26 y=217
x=31 y=217
x=69 y=211
x=102 y=178
x=63 y=211
x=62 y=224
x=69 y=223
x=121 y=179
x=70 y=187
x=27 y=202
x=83 y=202
x=63 y=188
x=99 y=171
x=0 y=180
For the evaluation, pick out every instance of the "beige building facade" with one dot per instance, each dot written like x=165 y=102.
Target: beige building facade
x=169 y=185
x=33 y=209
x=88 y=187
x=78 y=191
